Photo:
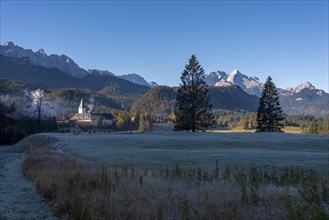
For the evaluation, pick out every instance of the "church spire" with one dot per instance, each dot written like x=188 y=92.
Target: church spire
x=81 y=109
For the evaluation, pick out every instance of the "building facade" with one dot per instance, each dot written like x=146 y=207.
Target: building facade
x=89 y=118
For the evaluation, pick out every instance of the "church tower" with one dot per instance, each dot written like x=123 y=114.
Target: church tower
x=82 y=110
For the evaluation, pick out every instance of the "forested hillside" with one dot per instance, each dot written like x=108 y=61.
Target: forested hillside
x=232 y=97
x=160 y=101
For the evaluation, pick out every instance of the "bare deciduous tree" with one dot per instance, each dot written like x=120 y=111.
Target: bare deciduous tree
x=38 y=98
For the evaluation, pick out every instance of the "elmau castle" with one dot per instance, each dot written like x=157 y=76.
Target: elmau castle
x=90 y=118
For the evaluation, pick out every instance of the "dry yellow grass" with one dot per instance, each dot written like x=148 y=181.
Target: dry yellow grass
x=292 y=130
x=287 y=129
x=229 y=130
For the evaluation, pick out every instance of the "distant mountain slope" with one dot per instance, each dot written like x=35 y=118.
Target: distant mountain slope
x=98 y=82
x=251 y=85
x=23 y=70
x=304 y=99
x=232 y=97
x=121 y=95
x=160 y=100
x=40 y=58
x=9 y=87
x=135 y=78
x=93 y=100
x=101 y=72
x=62 y=63
x=306 y=102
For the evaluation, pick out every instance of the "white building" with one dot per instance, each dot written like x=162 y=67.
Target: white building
x=82 y=110
x=96 y=119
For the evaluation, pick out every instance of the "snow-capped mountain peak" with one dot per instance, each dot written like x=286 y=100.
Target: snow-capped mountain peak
x=153 y=84
x=214 y=77
x=100 y=72
x=236 y=77
x=40 y=58
x=9 y=44
x=135 y=78
x=250 y=85
x=305 y=85
x=234 y=72
x=41 y=52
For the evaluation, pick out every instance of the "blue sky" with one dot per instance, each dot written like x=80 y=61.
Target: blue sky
x=285 y=39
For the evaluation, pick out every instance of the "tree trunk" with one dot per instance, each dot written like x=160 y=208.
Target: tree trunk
x=39 y=120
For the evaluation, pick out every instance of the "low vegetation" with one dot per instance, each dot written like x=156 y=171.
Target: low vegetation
x=85 y=190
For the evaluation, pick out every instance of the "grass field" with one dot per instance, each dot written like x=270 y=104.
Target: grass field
x=287 y=129
x=175 y=176
x=162 y=150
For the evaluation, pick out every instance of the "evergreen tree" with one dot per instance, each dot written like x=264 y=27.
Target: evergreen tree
x=269 y=113
x=55 y=127
x=192 y=109
x=313 y=128
x=123 y=120
x=145 y=122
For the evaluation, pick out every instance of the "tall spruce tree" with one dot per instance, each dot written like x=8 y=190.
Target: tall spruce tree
x=269 y=113
x=192 y=109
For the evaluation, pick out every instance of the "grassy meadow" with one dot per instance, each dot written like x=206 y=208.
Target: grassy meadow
x=183 y=175
x=161 y=150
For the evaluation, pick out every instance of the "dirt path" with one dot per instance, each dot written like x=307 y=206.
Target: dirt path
x=18 y=196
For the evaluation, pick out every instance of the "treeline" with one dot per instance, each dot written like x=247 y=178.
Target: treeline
x=13 y=130
x=224 y=118
x=309 y=124
x=141 y=121
x=318 y=126
x=247 y=120
x=231 y=119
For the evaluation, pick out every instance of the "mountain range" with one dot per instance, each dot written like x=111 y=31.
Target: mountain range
x=251 y=85
x=60 y=71
x=40 y=58
x=63 y=63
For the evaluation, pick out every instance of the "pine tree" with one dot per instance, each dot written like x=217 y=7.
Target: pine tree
x=145 y=122
x=269 y=113
x=313 y=128
x=192 y=109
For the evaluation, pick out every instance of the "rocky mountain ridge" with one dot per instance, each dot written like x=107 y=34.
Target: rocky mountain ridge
x=63 y=63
